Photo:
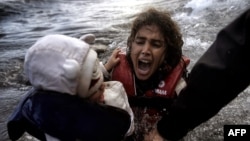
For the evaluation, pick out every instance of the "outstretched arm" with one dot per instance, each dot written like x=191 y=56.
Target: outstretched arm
x=216 y=79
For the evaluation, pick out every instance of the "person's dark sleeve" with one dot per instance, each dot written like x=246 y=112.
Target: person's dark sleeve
x=69 y=118
x=217 y=78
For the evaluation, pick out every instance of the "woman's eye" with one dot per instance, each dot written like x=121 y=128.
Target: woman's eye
x=157 y=45
x=139 y=42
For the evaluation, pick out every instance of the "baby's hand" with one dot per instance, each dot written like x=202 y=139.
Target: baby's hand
x=113 y=60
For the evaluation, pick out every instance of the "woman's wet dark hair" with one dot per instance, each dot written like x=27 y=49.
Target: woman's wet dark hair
x=170 y=31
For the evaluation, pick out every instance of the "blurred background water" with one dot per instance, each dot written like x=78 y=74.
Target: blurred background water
x=22 y=22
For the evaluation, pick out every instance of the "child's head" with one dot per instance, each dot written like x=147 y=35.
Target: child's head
x=63 y=64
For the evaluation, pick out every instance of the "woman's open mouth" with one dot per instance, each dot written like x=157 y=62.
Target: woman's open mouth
x=144 y=66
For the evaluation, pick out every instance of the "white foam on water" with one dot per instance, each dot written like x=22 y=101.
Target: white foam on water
x=196 y=42
x=199 y=5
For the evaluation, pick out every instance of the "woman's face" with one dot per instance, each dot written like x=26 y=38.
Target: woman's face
x=147 y=51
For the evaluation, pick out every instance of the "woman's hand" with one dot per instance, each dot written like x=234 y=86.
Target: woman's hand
x=113 y=60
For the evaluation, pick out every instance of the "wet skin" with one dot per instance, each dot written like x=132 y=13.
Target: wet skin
x=98 y=96
x=147 y=51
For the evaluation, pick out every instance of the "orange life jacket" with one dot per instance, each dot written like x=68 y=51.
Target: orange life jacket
x=166 y=88
x=146 y=117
